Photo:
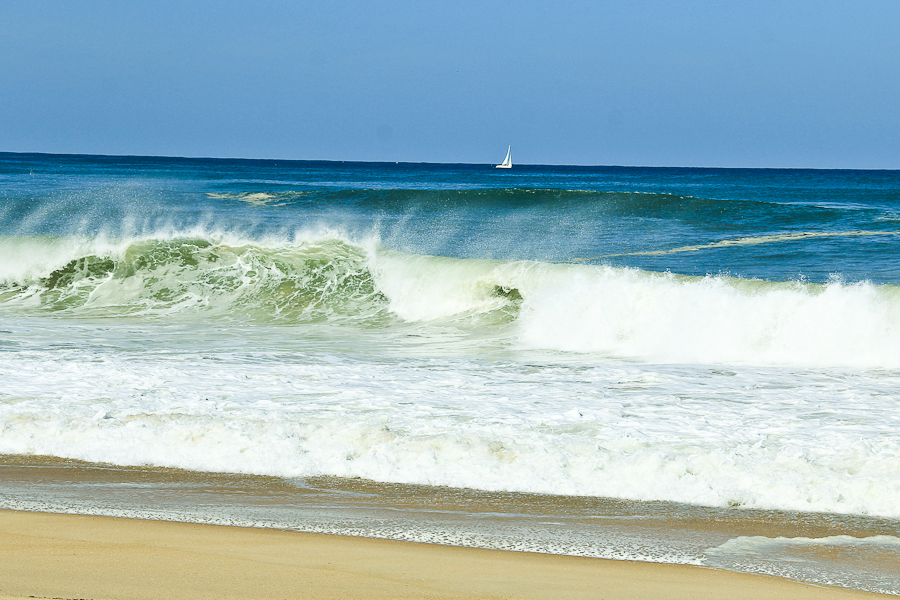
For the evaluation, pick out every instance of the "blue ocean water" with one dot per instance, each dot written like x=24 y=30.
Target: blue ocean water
x=620 y=216
x=712 y=337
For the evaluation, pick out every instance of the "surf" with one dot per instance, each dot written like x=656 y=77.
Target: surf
x=608 y=312
x=202 y=275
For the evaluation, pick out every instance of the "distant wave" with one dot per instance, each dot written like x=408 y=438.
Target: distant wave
x=748 y=241
x=260 y=198
x=616 y=202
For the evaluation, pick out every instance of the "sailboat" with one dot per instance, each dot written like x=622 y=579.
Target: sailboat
x=507 y=163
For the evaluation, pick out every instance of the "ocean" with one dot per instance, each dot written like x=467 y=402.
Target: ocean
x=669 y=364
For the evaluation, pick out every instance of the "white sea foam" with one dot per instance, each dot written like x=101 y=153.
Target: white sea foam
x=744 y=545
x=867 y=563
x=714 y=320
x=772 y=439
x=603 y=381
x=635 y=315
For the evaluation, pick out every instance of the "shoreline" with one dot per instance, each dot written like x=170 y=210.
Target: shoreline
x=51 y=555
x=843 y=551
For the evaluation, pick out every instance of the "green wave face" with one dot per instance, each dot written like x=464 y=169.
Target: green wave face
x=307 y=281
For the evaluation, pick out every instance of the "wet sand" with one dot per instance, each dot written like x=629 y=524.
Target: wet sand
x=70 y=556
x=461 y=535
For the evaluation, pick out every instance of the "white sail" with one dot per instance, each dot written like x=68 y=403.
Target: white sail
x=507 y=163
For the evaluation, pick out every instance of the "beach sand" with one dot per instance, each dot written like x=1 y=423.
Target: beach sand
x=83 y=557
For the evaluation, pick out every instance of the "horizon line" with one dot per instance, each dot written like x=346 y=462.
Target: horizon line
x=405 y=162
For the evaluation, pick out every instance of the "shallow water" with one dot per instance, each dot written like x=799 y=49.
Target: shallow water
x=828 y=549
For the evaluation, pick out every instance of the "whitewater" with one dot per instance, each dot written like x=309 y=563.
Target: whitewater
x=726 y=339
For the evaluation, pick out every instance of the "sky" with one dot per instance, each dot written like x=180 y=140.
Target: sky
x=796 y=84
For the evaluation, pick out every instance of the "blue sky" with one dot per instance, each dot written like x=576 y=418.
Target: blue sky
x=690 y=83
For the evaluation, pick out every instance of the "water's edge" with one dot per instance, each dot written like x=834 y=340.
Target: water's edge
x=850 y=551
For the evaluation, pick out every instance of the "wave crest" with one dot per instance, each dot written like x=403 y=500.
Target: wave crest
x=301 y=281
x=612 y=313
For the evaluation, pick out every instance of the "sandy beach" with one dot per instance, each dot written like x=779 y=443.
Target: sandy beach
x=69 y=556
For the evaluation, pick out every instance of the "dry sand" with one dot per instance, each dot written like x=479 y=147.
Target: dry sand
x=78 y=557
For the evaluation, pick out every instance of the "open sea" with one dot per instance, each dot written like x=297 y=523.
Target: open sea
x=685 y=365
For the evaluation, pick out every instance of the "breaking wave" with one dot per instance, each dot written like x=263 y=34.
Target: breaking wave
x=620 y=313
x=197 y=275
